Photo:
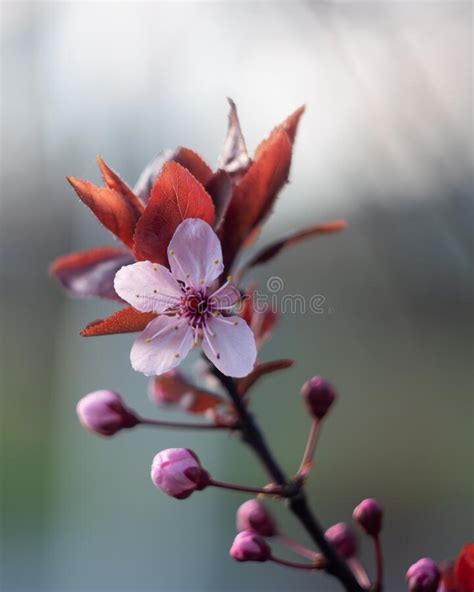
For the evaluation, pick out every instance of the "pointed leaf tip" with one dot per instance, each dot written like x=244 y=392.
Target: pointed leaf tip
x=126 y=320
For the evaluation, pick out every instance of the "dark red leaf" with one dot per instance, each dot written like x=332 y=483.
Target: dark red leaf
x=194 y=163
x=260 y=370
x=220 y=189
x=176 y=195
x=234 y=158
x=290 y=126
x=187 y=158
x=273 y=249
x=262 y=322
x=464 y=568
x=90 y=273
x=114 y=209
x=173 y=388
x=126 y=320
x=255 y=193
x=113 y=181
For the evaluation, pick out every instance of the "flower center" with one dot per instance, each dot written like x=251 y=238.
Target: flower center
x=195 y=304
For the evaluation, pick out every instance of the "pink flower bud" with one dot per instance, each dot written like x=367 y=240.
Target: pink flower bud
x=343 y=540
x=178 y=472
x=252 y=515
x=368 y=514
x=249 y=546
x=423 y=576
x=319 y=395
x=104 y=412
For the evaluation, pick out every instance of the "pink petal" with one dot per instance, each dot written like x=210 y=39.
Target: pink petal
x=195 y=254
x=154 y=354
x=230 y=345
x=225 y=297
x=148 y=287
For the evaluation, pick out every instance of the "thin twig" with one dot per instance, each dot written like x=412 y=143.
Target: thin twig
x=378 y=564
x=181 y=425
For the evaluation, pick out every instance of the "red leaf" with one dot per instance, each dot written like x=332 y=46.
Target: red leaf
x=290 y=125
x=220 y=188
x=113 y=181
x=464 y=568
x=234 y=158
x=187 y=158
x=194 y=163
x=113 y=208
x=176 y=195
x=255 y=193
x=244 y=384
x=273 y=249
x=90 y=273
x=126 y=320
x=172 y=388
x=262 y=322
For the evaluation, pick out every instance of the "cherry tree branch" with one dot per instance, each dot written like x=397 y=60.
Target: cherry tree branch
x=297 y=501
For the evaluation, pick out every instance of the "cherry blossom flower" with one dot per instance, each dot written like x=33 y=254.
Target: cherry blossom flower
x=192 y=310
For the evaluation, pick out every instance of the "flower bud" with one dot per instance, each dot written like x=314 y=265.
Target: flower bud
x=104 y=412
x=342 y=539
x=252 y=515
x=423 y=576
x=178 y=472
x=368 y=514
x=249 y=546
x=319 y=395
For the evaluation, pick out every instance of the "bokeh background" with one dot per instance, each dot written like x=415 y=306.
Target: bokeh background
x=385 y=143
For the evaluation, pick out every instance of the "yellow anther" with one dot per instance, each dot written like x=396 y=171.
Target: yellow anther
x=195 y=343
x=229 y=278
x=201 y=281
x=137 y=295
x=148 y=340
x=235 y=322
x=155 y=268
x=216 y=262
x=176 y=355
x=171 y=252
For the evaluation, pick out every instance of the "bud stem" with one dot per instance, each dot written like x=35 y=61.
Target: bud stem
x=181 y=425
x=274 y=490
x=298 y=548
x=307 y=461
x=378 y=564
x=359 y=572
x=294 y=564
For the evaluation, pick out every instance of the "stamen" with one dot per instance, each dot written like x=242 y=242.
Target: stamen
x=220 y=289
x=211 y=347
x=171 y=253
x=234 y=322
x=185 y=336
x=160 y=332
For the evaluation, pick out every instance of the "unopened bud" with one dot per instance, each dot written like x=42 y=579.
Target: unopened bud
x=368 y=514
x=178 y=472
x=104 y=412
x=319 y=395
x=342 y=539
x=249 y=546
x=423 y=576
x=252 y=515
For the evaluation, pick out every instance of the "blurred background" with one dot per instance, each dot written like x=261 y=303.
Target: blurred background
x=386 y=143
